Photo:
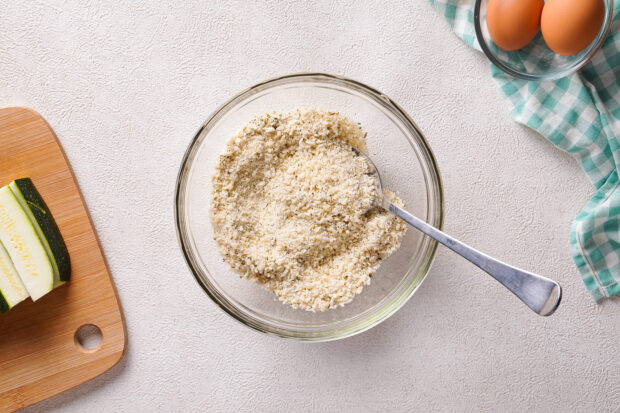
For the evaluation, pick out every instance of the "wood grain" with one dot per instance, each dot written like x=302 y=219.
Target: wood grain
x=39 y=356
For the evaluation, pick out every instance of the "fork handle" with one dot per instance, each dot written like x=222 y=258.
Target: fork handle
x=540 y=294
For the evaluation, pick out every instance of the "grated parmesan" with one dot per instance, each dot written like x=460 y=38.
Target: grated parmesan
x=294 y=208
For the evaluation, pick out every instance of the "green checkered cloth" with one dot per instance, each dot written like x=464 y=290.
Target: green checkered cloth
x=580 y=114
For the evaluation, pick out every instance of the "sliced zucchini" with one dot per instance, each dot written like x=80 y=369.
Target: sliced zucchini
x=24 y=246
x=12 y=290
x=4 y=305
x=45 y=226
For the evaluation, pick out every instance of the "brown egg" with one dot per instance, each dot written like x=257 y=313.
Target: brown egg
x=569 y=26
x=513 y=23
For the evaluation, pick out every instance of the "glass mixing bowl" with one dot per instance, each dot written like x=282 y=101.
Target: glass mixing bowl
x=536 y=61
x=407 y=166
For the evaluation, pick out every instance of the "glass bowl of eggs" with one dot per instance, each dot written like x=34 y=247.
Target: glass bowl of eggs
x=541 y=40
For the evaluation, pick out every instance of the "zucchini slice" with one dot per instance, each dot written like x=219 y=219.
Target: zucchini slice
x=45 y=226
x=12 y=290
x=23 y=245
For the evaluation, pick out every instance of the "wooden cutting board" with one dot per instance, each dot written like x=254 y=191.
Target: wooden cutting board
x=40 y=355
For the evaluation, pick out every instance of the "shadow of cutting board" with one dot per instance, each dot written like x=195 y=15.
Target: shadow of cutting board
x=40 y=355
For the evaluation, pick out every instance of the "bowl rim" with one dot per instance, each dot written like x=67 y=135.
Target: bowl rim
x=597 y=42
x=426 y=259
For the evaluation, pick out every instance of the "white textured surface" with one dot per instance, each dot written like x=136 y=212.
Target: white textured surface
x=126 y=85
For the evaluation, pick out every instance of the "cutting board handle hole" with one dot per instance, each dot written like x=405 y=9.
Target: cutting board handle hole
x=88 y=338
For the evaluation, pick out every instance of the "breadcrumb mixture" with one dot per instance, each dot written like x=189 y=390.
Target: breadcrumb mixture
x=294 y=208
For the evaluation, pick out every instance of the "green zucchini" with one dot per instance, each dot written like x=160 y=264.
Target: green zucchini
x=24 y=246
x=4 y=305
x=12 y=290
x=45 y=226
